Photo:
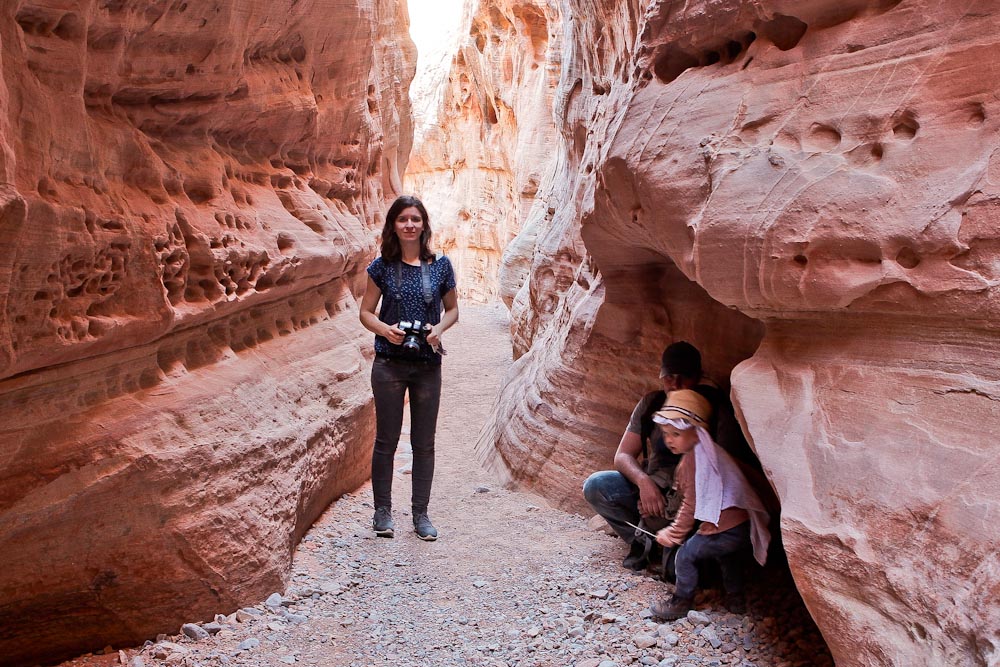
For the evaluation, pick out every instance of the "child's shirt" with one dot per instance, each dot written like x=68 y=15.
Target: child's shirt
x=684 y=483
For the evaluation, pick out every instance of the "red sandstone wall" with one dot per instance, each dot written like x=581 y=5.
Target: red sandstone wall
x=818 y=178
x=188 y=192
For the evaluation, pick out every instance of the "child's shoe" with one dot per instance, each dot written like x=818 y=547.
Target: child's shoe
x=672 y=609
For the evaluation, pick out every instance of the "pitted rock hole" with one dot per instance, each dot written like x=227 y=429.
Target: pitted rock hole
x=906 y=126
x=785 y=32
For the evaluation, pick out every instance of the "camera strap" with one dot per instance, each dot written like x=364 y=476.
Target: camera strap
x=425 y=285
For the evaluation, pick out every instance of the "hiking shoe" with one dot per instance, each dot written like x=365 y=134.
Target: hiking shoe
x=637 y=557
x=382 y=523
x=423 y=527
x=672 y=609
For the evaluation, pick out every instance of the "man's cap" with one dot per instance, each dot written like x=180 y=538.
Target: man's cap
x=681 y=358
x=685 y=404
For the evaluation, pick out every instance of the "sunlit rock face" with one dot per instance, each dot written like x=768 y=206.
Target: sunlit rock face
x=828 y=170
x=484 y=167
x=188 y=192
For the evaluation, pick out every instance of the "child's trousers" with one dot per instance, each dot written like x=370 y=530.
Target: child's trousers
x=726 y=547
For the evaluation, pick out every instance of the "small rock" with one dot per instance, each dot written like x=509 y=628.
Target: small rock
x=243 y=616
x=597 y=523
x=608 y=663
x=248 y=644
x=727 y=647
x=709 y=635
x=287 y=659
x=297 y=619
x=600 y=594
x=590 y=662
x=577 y=631
x=670 y=638
x=644 y=641
x=136 y=661
x=482 y=489
x=213 y=628
x=194 y=631
x=273 y=601
x=698 y=618
x=534 y=631
x=479 y=584
x=163 y=650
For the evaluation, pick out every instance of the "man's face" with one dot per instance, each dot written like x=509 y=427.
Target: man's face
x=671 y=382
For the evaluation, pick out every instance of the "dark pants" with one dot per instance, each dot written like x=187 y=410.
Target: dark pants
x=727 y=547
x=614 y=498
x=391 y=379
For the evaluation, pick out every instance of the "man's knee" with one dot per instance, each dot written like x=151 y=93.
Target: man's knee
x=596 y=487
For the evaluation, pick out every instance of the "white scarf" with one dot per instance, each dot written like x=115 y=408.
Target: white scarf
x=720 y=484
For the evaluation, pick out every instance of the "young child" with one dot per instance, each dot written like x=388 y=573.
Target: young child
x=715 y=492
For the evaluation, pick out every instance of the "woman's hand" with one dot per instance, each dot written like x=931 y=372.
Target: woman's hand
x=392 y=333
x=434 y=336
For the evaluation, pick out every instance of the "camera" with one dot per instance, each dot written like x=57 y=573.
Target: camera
x=414 y=333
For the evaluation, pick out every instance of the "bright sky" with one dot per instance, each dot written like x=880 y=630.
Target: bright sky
x=434 y=27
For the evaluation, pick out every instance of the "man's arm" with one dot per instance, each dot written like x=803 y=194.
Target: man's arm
x=651 y=502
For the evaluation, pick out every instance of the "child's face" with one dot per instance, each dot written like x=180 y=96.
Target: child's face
x=678 y=441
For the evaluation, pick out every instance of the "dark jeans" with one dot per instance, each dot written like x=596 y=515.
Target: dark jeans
x=614 y=498
x=727 y=547
x=391 y=379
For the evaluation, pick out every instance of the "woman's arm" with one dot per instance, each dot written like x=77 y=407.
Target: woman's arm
x=450 y=301
x=371 y=321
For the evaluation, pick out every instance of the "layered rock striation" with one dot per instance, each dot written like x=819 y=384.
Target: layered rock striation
x=809 y=187
x=188 y=193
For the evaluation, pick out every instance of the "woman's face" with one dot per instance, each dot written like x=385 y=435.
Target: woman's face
x=678 y=441
x=409 y=224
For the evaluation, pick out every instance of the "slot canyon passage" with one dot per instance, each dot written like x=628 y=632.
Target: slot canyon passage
x=190 y=192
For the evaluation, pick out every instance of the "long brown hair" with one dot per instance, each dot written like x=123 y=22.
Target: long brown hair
x=391 y=250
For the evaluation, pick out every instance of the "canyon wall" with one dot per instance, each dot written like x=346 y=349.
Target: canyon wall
x=484 y=165
x=188 y=197
x=808 y=192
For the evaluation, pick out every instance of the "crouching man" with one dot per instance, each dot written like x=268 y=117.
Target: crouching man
x=640 y=490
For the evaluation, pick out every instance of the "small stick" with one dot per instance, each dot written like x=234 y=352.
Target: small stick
x=642 y=530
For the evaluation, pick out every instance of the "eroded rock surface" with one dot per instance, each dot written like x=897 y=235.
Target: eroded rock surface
x=819 y=178
x=188 y=192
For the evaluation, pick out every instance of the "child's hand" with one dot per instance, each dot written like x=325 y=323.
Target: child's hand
x=664 y=540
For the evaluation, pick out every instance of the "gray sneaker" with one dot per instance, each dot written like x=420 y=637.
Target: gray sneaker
x=423 y=527
x=382 y=523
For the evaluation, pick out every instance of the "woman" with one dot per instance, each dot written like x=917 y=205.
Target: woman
x=413 y=285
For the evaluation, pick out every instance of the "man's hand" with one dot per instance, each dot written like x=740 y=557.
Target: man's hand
x=393 y=334
x=651 y=501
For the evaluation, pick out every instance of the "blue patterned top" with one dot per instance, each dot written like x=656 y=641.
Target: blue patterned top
x=412 y=306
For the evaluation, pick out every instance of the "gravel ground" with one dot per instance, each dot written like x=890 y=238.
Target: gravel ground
x=510 y=582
